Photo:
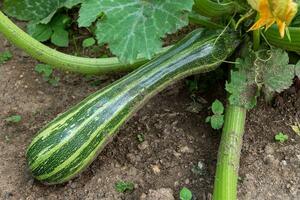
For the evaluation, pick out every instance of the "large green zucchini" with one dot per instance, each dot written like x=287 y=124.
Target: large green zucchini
x=73 y=140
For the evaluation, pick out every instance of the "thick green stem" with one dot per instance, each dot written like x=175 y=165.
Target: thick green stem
x=225 y=187
x=212 y=9
x=204 y=21
x=60 y=60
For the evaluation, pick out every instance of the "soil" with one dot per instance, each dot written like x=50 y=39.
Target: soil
x=179 y=149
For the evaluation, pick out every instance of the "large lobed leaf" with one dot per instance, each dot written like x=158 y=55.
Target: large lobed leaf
x=133 y=27
x=266 y=70
x=36 y=10
x=278 y=74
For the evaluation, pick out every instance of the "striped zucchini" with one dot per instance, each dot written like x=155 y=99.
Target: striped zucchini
x=273 y=37
x=73 y=140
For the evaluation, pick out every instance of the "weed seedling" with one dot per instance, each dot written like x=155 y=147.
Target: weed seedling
x=5 y=56
x=14 y=119
x=185 y=194
x=47 y=72
x=281 y=137
x=141 y=137
x=217 y=119
x=123 y=186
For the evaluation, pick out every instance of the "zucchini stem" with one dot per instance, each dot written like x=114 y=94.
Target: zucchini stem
x=204 y=21
x=225 y=187
x=213 y=9
x=60 y=60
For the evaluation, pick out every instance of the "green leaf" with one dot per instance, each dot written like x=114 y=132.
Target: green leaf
x=5 y=56
x=207 y=119
x=14 y=119
x=242 y=87
x=278 y=75
x=60 y=38
x=297 y=69
x=185 y=194
x=60 y=21
x=281 y=137
x=45 y=70
x=70 y=3
x=141 y=137
x=36 y=10
x=217 y=107
x=217 y=121
x=133 y=27
x=54 y=81
x=54 y=30
x=123 y=186
x=88 y=42
x=40 y=32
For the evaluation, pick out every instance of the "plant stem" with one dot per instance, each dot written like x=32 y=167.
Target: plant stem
x=60 y=60
x=212 y=9
x=226 y=178
x=204 y=21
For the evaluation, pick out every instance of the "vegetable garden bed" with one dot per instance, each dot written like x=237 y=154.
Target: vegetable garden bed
x=167 y=159
x=168 y=129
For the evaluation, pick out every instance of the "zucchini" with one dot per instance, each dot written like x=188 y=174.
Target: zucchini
x=69 y=143
x=210 y=8
x=273 y=37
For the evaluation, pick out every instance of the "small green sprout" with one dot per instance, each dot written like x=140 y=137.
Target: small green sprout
x=47 y=72
x=141 y=137
x=217 y=119
x=5 y=56
x=14 y=119
x=123 y=186
x=88 y=42
x=185 y=194
x=281 y=137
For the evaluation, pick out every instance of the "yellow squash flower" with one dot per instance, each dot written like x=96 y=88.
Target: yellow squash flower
x=280 y=11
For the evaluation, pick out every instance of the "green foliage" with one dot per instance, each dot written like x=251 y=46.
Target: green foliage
x=266 y=70
x=141 y=137
x=88 y=42
x=217 y=119
x=185 y=194
x=242 y=87
x=14 y=119
x=44 y=70
x=54 y=30
x=132 y=27
x=5 y=56
x=277 y=74
x=281 y=137
x=36 y=10
x=47 y=72
x=123 y=186
x=217 y=107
